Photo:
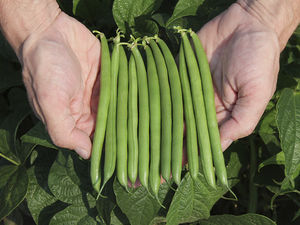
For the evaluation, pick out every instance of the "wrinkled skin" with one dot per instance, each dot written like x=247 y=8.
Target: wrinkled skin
x=61 y=64
x=60 y=67
x=244 y=61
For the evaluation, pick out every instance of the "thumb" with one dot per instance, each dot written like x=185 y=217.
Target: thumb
x=61 y=125
x=244 y=117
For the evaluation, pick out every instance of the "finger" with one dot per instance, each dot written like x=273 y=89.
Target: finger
x=61 y=125
x=244 y=117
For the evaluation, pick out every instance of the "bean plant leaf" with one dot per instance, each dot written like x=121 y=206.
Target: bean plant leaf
x=87 y=9
x=267 y=130
x=68 y=180
x=277 y=159
x=130 y=15
x=5 y=172
x=138 y=205
x=247 y=219
x=38 y=135
x=39 y=198
x=184 y=8
x=75 y=214
x=9 y=126
x=288 y=120
x=194 y=198
x=117 y=217
x=14 y=192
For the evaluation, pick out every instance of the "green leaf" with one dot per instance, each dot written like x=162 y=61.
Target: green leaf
x=161 y=18
x=14 y=192
x=39 y=198
x=118 y=218
x=14 y=218
x=68 y=179
x=288 y=120
x=130 y=15
x=193 y=200
x=247 y=219
x=184 y=8
x=87 y=9
x=277 y=159
x=8 y=132
x=138 y=205
x=5 y=172
x=105 y=207
x=38 y=135
x=75 y=215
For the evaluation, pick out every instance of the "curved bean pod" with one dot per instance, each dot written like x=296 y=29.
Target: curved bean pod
x=209 y=100
x=191 y=133
x=104 y=99
x=111 y=134
x=143 y=154
x=200 y=114
x=155 y=121
x=122 y=119
x=177 y=111
x=132 y=122
x=166 y=111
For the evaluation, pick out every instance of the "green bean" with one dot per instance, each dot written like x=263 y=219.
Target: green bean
x=122 y=119
x=166 y=111
x=104 y=98
x=110 y=137
x=177 y=111
x=200 y=114
x=155 y=121
x=143 y=117
x=132 y=122
x=191 y=133
x=209 y=101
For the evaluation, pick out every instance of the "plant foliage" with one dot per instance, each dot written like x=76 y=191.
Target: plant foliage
x=52 y=185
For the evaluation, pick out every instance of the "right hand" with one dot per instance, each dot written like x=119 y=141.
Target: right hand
x=60 y=67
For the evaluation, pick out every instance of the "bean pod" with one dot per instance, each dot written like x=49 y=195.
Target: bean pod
x=103 y=105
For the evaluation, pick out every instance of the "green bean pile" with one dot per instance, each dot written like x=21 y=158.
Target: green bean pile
x=145 y=98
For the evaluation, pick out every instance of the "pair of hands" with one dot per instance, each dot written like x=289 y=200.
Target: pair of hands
x=61 y=67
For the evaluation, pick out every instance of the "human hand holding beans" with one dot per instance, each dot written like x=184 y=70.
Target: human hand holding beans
x=60 y=67
x=244 y=60
x=60 y=59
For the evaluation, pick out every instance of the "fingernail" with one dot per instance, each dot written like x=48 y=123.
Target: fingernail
x=83 y=153
x=225 y=144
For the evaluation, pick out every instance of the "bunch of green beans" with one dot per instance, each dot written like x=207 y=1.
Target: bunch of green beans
x=144 y=100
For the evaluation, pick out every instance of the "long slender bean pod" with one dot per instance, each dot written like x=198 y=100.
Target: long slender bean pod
x=177 y=111
x=111 y=134
x=209 y=100
x=166 y=111
x=103 y=105
x=191 y=133
x=122 y=112
x=143 y=154
x=200 y=114
x=132 y=122
x=155 y=121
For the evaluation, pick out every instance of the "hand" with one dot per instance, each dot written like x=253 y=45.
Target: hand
x=244 y=60
x=60 y=66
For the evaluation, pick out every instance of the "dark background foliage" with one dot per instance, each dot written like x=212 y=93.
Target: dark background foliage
x=43 y=184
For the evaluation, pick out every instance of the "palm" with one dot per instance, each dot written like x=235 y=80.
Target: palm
x=244 y=58
x=60 y=69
